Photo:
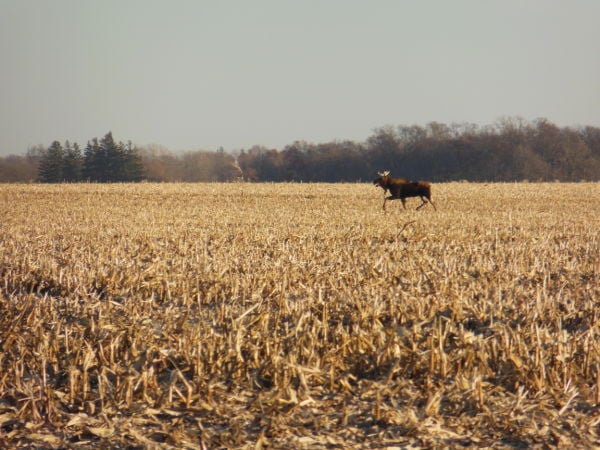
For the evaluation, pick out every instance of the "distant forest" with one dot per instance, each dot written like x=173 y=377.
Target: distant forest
x=510 y=150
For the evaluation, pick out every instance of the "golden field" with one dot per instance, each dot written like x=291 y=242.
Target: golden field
x=208 y=316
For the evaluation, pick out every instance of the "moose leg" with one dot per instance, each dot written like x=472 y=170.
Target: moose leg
x=403 y=202
x=429 y=200
x=425 y=202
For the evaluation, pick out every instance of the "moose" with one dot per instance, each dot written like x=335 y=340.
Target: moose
x=400 y=188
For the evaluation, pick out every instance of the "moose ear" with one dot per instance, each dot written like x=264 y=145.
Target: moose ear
x=381 y=174
x=386 y=173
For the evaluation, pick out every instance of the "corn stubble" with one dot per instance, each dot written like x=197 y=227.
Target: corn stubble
x=299 y=315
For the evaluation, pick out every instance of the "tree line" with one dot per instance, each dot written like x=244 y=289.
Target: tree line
x=101 y=161
x=509 y=150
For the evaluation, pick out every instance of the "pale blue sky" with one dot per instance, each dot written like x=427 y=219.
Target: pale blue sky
x=197 y=74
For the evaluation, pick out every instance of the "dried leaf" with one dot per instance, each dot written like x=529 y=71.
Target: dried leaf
x=48 y=438
x=101 y=431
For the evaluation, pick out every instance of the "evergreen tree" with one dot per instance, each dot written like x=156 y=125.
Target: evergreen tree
x=72 y=162
x=113 y=159
x=92 y=161
x=133 y=169
x=107 y=161
x=51 y=169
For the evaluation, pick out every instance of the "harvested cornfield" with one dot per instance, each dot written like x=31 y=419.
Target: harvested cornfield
x=208 y=316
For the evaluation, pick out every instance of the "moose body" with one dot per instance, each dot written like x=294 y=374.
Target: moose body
x=400 y=188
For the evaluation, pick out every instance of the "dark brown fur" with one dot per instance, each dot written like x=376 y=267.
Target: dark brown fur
x=400 y=188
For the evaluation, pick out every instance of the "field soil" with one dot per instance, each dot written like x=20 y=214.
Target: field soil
x=207 y=316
